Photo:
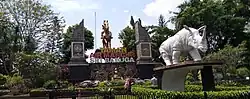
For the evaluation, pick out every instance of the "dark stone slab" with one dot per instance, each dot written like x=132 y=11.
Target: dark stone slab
x=187 y=65
x=145 y=71
x=78 y=72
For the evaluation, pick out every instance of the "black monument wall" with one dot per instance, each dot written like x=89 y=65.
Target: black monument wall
x=79 y=73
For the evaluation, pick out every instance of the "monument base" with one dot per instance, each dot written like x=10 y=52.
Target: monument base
x=172 y=78
x=145 y=70
x=81 y=61
x=78 y=72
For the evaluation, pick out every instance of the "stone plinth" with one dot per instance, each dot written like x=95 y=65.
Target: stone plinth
x=172 y=78
x=78 y=72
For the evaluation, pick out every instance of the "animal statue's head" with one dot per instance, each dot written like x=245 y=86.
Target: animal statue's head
x=199 y=40
x=105 y=25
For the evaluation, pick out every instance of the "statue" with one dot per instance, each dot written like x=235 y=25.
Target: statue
x=106 y=35
x=187 y=40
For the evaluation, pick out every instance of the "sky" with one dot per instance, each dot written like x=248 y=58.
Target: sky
x=117 y=12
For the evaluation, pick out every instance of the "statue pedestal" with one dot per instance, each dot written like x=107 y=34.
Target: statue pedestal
x=78 y=72
x=145 y=71
x=172 y=78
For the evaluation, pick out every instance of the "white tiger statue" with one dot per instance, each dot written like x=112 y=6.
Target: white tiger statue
x=187 y=40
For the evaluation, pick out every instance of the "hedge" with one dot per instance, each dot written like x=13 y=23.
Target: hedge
x=194 y=88
x=147 y=93
x=97 y=90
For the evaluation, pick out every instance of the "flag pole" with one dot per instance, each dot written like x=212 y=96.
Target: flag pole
x=95 y=32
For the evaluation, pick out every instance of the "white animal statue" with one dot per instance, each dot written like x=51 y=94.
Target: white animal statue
x=187 y=40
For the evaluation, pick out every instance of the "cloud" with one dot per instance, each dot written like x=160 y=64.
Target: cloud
x=157 y=7
x=70 y=5
x=126 y=11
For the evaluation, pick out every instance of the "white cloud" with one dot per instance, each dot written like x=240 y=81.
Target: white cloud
x=126 y=11
x=157 y=7
x=69 y=5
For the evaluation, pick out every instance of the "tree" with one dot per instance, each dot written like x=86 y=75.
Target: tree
x=232 y=57
x=7 y=42
x=37 y=67
x=225 y=20
x=65 y=48
x=161 y=21
x=127 y=36
x=32 y=18
x=54 y=38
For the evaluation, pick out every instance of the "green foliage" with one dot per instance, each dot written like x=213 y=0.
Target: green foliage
x=127 y=38
x=16 y=84
x=102 y=84
x=198 y=88
x=32 y=25
x=64 y=84
x=243 y=72
x=189 y=78
x=14 y=80
x=225 y=20
x=117 y=83
x=37 y=67
x=112 y=83
x=231 y=56
x=230 y=84
x=147 y=83
x=3 y=79
x=50 y=84
x=147 y=93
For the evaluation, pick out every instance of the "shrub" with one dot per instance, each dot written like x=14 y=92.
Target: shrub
x=117 y=83
x=50 y=84
x=37 y=67
x=16 y=84
x=197 y=88
x=147 y=93
x=64 y=84
x=147 y=83
x=102 y=84
x=3 y=79
x=243 y=72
